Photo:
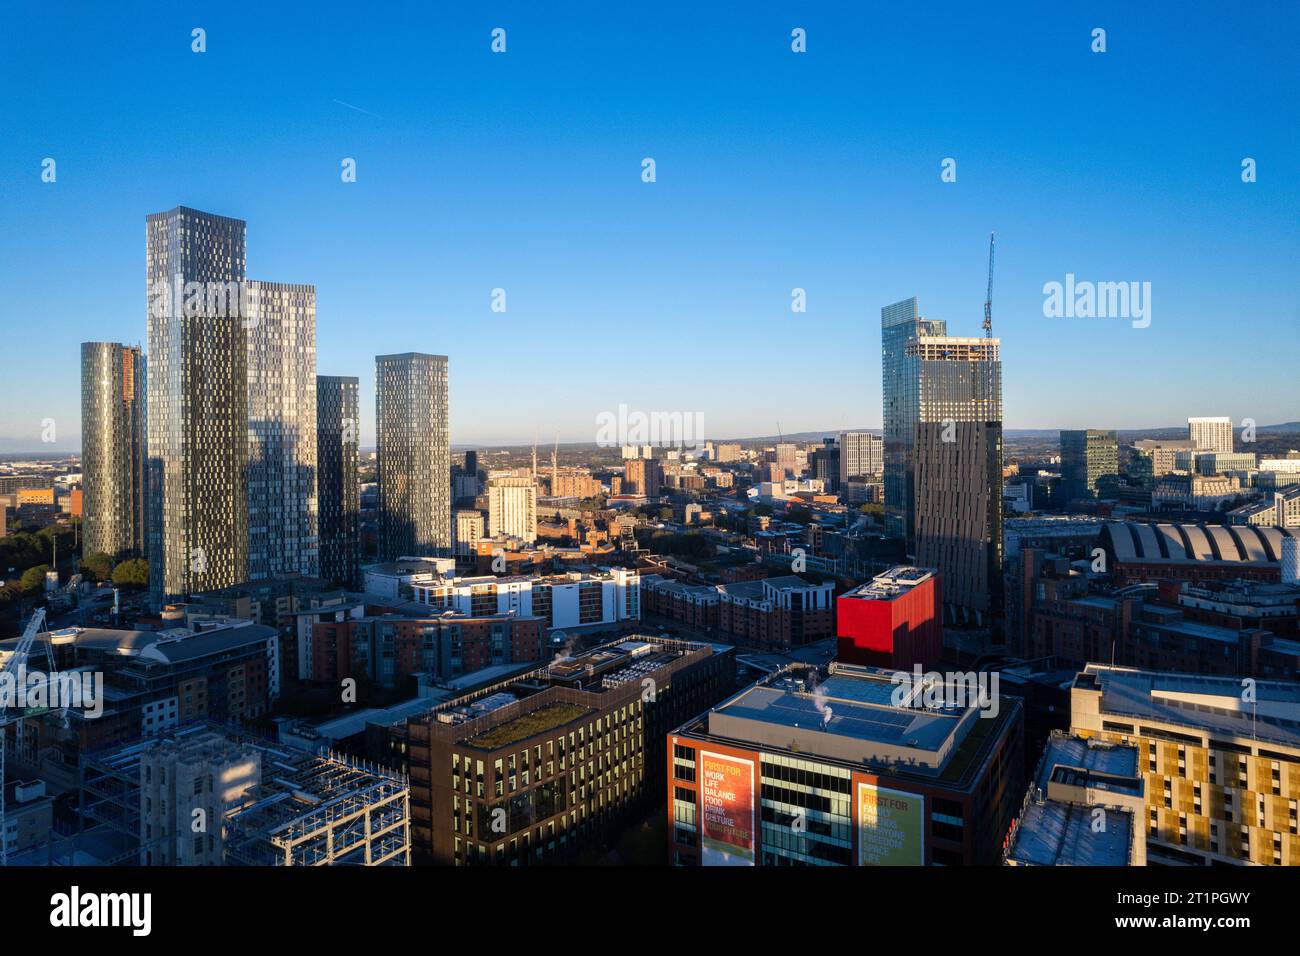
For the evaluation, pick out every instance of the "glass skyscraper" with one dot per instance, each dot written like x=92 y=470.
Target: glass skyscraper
x=943 y=401
x=414 y=455
x=1088 y=458
x=113 y=448
x=197 y=516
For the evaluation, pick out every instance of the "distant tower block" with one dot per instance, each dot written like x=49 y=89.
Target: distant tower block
x=1290 y=561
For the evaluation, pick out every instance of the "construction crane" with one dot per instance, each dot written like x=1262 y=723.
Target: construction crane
x=990 y=380
x=988 y=297
x=13 y=665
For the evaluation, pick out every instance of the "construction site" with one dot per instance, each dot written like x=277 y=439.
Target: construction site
x=212 y=795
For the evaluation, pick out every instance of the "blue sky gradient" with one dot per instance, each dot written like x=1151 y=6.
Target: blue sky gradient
x=775 y=170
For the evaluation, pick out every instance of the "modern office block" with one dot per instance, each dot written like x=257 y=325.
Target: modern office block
x=414 y=454
x=337 y=483
x=837 y=767
x=1088 y=458
x=861 y=453
x=113 y=420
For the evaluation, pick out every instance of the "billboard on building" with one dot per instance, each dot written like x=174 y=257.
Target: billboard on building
x=891 y=826
x=727 y=810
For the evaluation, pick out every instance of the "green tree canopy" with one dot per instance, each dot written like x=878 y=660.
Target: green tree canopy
x=33 y=579
x=132 y=573
x=97 y=564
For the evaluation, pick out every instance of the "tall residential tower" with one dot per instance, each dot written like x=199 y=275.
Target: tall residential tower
x=336 y=479
x=197 y=514
x=113 y=448
x=282 y=506
x=943 y=455
x=414 y=453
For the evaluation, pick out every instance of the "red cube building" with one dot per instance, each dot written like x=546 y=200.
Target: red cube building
x=894 y=620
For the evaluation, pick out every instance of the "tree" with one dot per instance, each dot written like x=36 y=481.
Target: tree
x=98 y=564
x=33 y=579
x=132 y=573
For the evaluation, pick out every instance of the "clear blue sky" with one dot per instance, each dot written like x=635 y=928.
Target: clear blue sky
x=775 y=170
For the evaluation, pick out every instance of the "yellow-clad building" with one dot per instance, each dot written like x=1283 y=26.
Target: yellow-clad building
x=1220 y=757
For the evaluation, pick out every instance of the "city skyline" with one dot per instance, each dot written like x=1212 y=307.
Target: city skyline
x=829 y=198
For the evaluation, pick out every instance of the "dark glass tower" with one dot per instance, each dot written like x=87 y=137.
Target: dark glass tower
x=337 y=455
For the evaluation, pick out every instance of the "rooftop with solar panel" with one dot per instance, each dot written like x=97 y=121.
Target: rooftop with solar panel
x=862 y=717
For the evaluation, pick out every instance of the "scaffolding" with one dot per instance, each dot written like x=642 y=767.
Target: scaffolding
x=305 y=810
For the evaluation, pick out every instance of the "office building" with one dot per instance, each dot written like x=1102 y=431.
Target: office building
x=338 y=485
x=197 y=474
x=1221 y=768
x=834 y=768
x=283 y=529
x=113 y=384
x=512 y=508
x=1224 y=462
x=1153 y=459
x=895 y=621
x=824 y=464
x=1089 y=460
x=861 y=454
x=414 y=453
x=1210 y=434
x=541 y=768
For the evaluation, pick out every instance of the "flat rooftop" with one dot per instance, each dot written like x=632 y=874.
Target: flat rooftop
x=890 y=584
x=1053 y=833
x=847 y=716
x=1210 y=704
x=1091 y=763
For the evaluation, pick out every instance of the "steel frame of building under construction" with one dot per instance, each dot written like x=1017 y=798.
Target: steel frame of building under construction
x=309 y=809
x=333 y=812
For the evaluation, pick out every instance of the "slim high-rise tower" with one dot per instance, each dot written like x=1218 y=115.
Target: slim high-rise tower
x=943 y=403
x=197 y=515
x=414 y=455
x=282 y=502
x=337 y=485
x=113 y=448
